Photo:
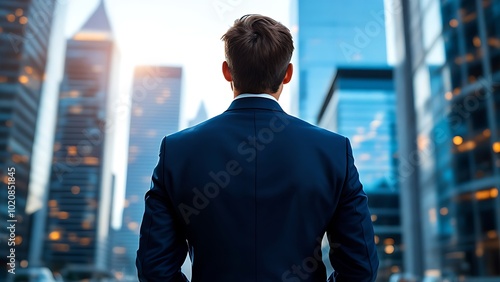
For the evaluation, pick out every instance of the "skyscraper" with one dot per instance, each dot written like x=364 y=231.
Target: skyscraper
x=361 y=106
x=448 y=119
x=156 y=96
x=24 y=35
x=81 y=183
x=332 y=34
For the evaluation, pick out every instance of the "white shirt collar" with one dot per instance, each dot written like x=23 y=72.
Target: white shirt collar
x=263 y=95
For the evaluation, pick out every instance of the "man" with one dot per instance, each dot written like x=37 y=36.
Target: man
x=251 y=192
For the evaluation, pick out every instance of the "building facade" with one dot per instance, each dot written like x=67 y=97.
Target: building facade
x=24 y=36
x=155 y=102
x=361 y=106
x=448 y=117
x=81 y=184
x=334 y=34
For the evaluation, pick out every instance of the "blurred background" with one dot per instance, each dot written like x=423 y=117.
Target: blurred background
x=89 y=87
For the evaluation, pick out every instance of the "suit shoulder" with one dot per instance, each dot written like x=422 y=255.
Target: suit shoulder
x=189 y=132
x=316 y=130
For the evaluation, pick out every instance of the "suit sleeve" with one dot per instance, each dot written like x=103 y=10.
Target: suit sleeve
x=162 y=243
x=353 y=252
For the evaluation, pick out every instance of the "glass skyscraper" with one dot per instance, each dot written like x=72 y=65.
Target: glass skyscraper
x=361 y=106
x=24 y=35
x=81 y=184
x=449 y=121
x=332 y=34
x=155 y=101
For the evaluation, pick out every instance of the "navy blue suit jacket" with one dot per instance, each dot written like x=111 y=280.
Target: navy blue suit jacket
x=250 y=194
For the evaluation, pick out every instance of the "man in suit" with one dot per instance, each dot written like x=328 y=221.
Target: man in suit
x=251 y=192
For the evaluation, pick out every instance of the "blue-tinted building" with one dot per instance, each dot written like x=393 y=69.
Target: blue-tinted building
x=331 y=34
x=360 y=105
x=81 y=184
x=448 y=75
x=156 y=96
x=25 y=27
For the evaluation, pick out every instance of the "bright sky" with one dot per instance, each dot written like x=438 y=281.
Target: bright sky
x=174 y=33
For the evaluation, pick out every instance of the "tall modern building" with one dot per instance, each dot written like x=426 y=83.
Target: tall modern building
x=156 y=96
x=361 y=106
x=81 y=184
x=449 y=137
x=24 y=35
x=331 y=34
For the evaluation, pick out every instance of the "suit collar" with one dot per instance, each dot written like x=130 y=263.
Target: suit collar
x=255 y=103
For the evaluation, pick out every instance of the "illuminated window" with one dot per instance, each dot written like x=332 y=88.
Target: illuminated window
x=476 y=41
x=376 y=239
x=28 y=69
x=494 y=42
x=23 y=20
x=457 y=140
x=119 y=250
x=74 y=93
x=389 y=241
x=19 y=240
x=453 y=23
x=86 y=224
x=75 y=109
x=24 y=263
x=493 y=193
x=492 y=234
x=11 y=17
x=133 y=225
x=443 y=211
x=54 y=235
x=137 y=111
x=394 y=269
x=84 y=241
x=496 y=147
x=60 y=247
x=63 y=215
x=160 y=100
x=3 y=78
x=374 y=217
x=19 y=12
x=448 y=95
x=151 y=133
x=75 y=190
x=24 y=79
x=53 y=203
x=389 y=249
x=72 y=237
x=72 y=150
x=91 y=161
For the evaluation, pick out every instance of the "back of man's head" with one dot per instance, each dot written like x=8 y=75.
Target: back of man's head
x=258 y=51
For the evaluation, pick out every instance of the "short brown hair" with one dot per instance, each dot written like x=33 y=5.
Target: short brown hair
x=258 y=51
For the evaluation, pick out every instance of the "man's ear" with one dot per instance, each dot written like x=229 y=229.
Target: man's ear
x=288 y=74
x=226 y=72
